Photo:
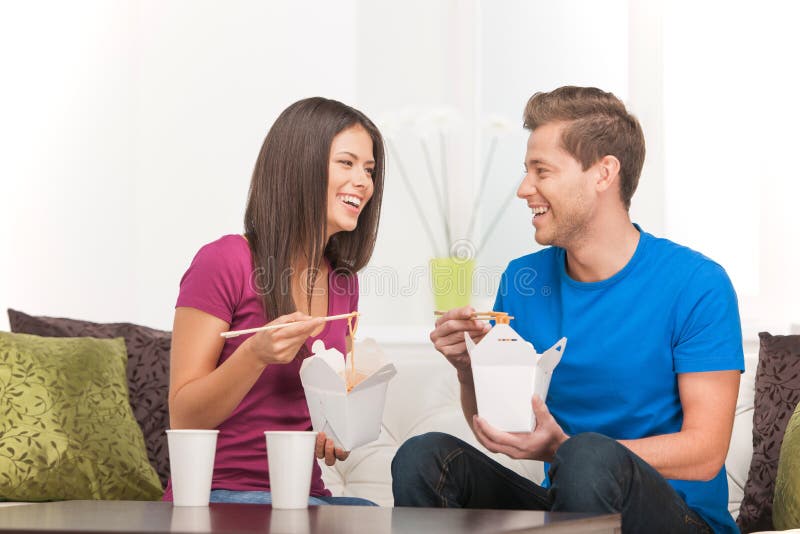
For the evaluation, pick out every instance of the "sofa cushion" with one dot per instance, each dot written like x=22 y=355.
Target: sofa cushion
x=786 y=505
x=147 y=371
x=67 y=430
x=777 y=394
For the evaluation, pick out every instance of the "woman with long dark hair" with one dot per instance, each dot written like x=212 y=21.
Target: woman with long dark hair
x=310 y=225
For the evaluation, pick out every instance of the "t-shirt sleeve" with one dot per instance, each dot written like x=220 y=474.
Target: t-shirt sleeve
x=708 y=329
x=212 y=283
x=499 y=304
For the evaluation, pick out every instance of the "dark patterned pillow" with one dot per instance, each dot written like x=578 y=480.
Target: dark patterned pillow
x=147 y=372
x=777 y=394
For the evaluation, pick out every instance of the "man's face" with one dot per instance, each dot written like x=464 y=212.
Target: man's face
x=557 y=189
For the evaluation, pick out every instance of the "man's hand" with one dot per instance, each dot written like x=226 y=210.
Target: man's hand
x=448 y=338
x=541 y=443
x=325 y=449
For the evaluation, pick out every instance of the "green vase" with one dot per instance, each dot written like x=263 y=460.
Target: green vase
x=451 y=282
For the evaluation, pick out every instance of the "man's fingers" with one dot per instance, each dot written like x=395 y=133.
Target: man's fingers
x=491 y=444
x=540 y=410
x=513 y=444
x=340 y=454
x=455 y=313
x=458 y=327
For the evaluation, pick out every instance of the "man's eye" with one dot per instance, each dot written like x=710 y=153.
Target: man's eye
x=541 y=172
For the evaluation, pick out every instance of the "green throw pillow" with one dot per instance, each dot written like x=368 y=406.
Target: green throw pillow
x=786 y=506
x=66 y=428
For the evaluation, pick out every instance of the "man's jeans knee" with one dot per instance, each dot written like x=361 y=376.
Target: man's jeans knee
x=439 y=470
x=589 y=473
x=592 y=473
x=417 y=468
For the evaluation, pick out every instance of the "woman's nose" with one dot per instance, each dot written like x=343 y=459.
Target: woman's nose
x=361 y=178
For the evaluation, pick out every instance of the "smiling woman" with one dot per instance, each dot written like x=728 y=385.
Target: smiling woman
x=310 y=224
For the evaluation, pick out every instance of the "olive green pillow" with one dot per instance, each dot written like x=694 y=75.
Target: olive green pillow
x=786 y=506
x=66 y=428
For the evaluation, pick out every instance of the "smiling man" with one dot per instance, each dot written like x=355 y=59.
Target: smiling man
x=640 y=409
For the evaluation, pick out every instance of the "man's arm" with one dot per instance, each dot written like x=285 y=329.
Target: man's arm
x=698 y=450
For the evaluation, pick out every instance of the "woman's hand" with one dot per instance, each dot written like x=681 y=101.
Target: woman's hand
x=325 y=449
x=280 y=346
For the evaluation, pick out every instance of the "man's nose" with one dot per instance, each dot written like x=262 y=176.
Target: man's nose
x=526 y=187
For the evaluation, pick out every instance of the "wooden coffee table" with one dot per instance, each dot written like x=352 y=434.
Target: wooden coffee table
x=137 y=516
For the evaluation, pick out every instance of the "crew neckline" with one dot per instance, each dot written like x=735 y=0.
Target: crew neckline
x=644 y=237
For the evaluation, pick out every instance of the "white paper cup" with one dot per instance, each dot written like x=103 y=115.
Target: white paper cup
x=191 y=463
x=291 y=458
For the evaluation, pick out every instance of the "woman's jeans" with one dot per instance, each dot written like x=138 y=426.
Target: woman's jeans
x=590 y=473
x=265 y=497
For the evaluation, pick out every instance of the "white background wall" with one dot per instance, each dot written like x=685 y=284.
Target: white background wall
x=128 y=131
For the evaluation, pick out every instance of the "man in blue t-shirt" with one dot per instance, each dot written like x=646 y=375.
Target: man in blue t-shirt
x=640 y=409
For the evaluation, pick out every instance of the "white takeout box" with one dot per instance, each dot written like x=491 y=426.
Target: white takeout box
x=507 y=372
x=350 y=419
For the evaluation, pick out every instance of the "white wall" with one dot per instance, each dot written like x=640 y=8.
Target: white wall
x=130 y=129
x=66 y=167
x=731 y=115
x=130 y=133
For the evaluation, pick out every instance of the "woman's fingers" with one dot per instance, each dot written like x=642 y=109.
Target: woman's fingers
x=330 y=457
x=319 y=446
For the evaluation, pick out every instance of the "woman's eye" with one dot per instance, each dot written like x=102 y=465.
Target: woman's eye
x=371 y=172
x=346 y=162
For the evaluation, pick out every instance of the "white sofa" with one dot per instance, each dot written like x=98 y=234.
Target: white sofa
x=423 y=397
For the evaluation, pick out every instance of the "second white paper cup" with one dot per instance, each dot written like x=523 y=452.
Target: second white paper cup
x=291 y=458
x=191 y=463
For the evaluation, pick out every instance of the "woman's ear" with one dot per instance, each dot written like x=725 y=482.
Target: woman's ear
x=607 y=172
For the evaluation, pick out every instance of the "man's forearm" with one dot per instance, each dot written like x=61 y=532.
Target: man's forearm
x=684 y=455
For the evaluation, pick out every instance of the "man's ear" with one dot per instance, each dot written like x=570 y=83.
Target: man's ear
x=607 y=173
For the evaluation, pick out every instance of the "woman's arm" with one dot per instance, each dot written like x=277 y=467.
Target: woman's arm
x=202 y=395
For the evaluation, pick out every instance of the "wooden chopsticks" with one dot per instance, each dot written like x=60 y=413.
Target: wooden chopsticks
x=235 y=333
x=481 y=315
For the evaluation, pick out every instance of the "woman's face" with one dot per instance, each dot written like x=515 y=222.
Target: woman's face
x=350 y=169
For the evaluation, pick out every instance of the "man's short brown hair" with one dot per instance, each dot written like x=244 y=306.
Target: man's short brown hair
x=598 y=125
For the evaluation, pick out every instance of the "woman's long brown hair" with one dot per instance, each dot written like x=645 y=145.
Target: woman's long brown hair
x=286 y=215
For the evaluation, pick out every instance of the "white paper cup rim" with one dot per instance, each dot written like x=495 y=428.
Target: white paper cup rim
x=191 y=431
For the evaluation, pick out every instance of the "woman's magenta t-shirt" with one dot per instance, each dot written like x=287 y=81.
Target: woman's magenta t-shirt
x=220 y=281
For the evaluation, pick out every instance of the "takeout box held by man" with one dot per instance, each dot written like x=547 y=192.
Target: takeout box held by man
x=507 y=371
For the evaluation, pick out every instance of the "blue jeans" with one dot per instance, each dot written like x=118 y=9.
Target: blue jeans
x=590 y=473
x=265 y=497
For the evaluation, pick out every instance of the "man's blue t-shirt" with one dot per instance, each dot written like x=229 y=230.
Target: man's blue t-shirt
x=670 y=310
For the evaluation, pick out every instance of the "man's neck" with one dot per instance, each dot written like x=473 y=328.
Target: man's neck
x=605 y=252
